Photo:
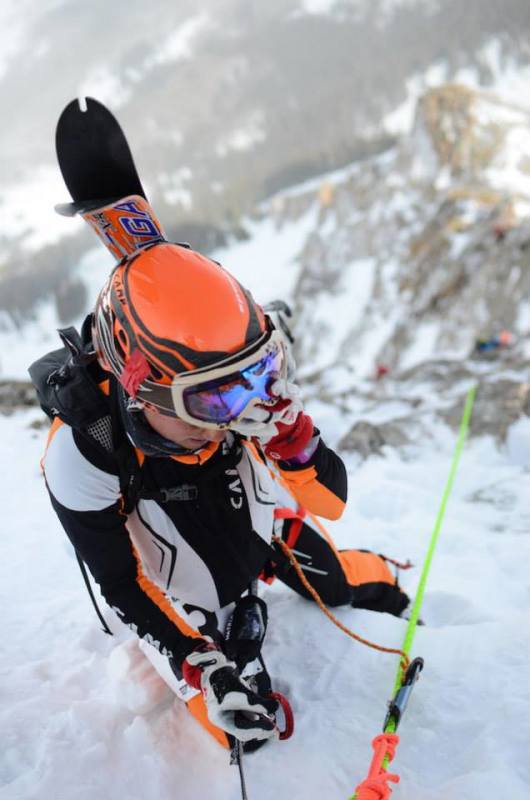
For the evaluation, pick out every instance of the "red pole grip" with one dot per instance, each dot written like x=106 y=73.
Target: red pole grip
x=288 y=714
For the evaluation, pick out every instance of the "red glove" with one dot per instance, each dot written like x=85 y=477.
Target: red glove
x=282 y=429
x=290 y=440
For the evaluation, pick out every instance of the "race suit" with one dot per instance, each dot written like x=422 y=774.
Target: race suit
x=201 y=531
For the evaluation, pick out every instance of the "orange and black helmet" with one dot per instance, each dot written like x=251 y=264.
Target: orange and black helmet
x=168 y=311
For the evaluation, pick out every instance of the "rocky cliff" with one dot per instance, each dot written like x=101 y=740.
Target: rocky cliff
x=419 y=257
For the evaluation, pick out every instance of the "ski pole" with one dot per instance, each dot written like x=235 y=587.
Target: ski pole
x=375 y=785
x=237 y=758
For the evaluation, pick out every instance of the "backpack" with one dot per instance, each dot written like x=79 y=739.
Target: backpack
x=67 y=382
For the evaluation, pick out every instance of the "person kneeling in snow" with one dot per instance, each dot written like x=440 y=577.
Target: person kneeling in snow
x=198 y=452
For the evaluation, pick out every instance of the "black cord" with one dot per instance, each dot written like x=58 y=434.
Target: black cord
x=82 y=567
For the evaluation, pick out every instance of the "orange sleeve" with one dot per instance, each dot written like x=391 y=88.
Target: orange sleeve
x=321 y=484
x=312 y=494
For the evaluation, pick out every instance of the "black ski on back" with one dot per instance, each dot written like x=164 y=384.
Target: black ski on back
x=93 y=153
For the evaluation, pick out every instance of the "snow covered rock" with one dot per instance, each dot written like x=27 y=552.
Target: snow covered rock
x=368 y=439
x=473 y=136
x=499 y=404
x=15 y=395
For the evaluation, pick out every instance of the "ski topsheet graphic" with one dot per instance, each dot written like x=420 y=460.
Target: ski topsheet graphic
x=100 y=174
x=125 y=225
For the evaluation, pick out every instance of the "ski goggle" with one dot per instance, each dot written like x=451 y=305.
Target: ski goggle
x=218 y=396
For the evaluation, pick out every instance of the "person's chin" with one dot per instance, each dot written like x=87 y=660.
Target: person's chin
x=194 y=444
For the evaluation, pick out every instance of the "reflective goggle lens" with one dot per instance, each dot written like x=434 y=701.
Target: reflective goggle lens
x=223 y=400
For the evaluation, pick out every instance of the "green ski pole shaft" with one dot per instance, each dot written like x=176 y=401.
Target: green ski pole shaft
x=392 y=720
x=418 y=600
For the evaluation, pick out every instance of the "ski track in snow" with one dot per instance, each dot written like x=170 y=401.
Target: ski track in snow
x=67 y=735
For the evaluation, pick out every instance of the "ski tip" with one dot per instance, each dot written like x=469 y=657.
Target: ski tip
x=84 y=105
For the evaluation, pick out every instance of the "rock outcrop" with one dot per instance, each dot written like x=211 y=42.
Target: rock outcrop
x=416 y=255
x=15 y=395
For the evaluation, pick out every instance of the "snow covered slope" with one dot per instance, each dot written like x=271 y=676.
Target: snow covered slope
x=66 y=733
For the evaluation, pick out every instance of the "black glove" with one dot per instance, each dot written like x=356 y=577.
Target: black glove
x=230 y=703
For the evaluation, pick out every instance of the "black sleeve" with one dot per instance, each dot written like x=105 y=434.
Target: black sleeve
x=102 y=541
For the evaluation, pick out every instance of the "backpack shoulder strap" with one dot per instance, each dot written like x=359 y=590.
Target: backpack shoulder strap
x=129 y=461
